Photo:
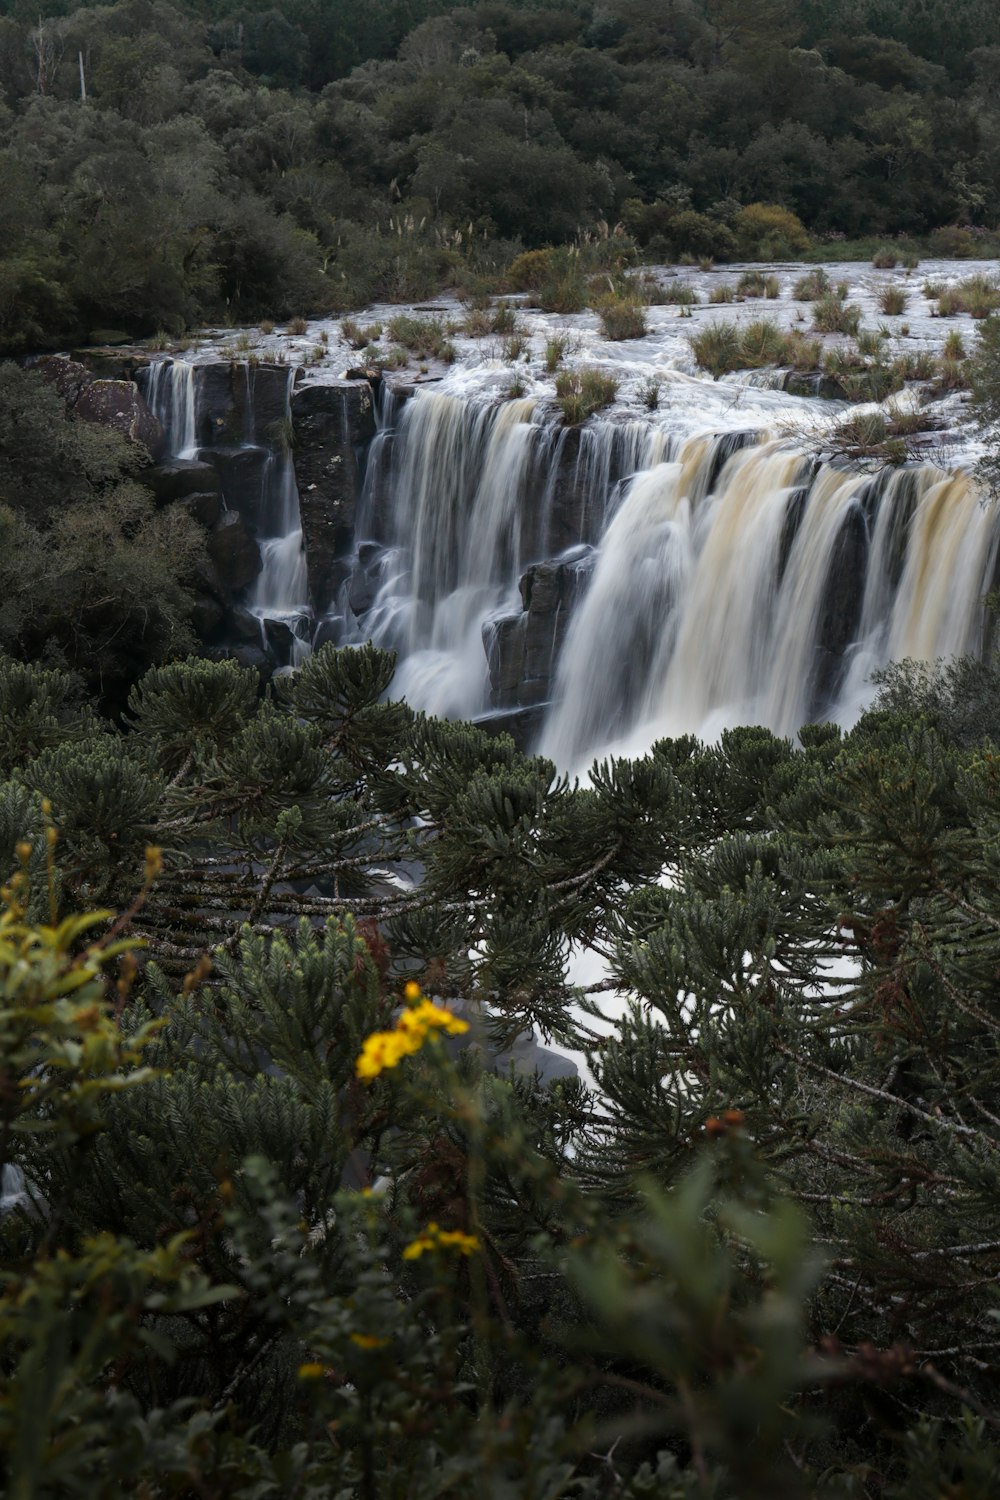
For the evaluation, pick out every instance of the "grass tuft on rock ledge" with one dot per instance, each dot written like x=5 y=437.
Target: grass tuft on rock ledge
x=722 y=347
x=581 y=392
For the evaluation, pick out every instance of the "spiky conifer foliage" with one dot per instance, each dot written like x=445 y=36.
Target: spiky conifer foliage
x=755 y=1253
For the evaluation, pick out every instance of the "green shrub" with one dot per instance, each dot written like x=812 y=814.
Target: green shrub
x=529 y=271
x=885 y=259
x=723 y=293
x=766 y=231
x=581 y=392
x=954 y=242
x=698 y=237
x=954 y=347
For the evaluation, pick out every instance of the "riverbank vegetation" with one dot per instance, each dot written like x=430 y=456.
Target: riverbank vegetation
x=167 y=166
x=286 y=1222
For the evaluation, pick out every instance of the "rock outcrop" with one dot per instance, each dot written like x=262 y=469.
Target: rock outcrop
x=330 y=425
x=119 y=405
x=234 y=553
x=522 y=650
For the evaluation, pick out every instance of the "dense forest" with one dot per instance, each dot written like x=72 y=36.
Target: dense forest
x=163 y=165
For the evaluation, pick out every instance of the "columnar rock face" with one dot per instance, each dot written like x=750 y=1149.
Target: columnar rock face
x=331 y=424
x=234 y=552
x=522 y=650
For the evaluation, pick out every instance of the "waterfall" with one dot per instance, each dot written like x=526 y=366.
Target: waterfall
x=171 y=394
x=766 y=597
x=621 y=583
x=245 y=436
x=466 y=482
x=478 y=491
x=282 y=588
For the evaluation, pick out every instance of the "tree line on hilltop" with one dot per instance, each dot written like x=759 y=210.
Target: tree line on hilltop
x=232 y=162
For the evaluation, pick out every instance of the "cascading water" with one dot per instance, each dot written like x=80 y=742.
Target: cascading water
x=723 y=579
x=768 y=600
x=175 y=391
x=281 y=591
x=474 y=499
x=463 y=482
x=171 y=394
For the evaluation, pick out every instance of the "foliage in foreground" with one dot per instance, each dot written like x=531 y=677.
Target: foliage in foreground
x=756 y=1255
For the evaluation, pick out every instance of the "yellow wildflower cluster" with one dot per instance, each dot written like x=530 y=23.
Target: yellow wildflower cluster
x=421 y=1019
x=436 y=1238
x=368 y=1341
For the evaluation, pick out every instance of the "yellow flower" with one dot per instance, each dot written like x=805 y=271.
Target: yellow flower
x=436 y=1238
x=368 y=1341
x=412 y=992
x=312 y=1371
x=386 y=1049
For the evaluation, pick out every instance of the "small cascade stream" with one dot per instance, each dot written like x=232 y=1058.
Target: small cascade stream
x=171 y=394
x=251 y=450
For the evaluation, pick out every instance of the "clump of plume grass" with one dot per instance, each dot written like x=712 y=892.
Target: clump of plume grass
x=758 y=284
x=722 y=347
x=357 y=336
x=427 y=338
x=813 y=284
x=581 y=392
x=831 y=315
x=892 y=300
x=678 y=294
x=555 y=352
x=977 y=295
x=649 y=392
x=622 y=317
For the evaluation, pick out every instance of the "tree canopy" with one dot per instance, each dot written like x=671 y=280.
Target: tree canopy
x=239 y=161
x=752 y=1250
